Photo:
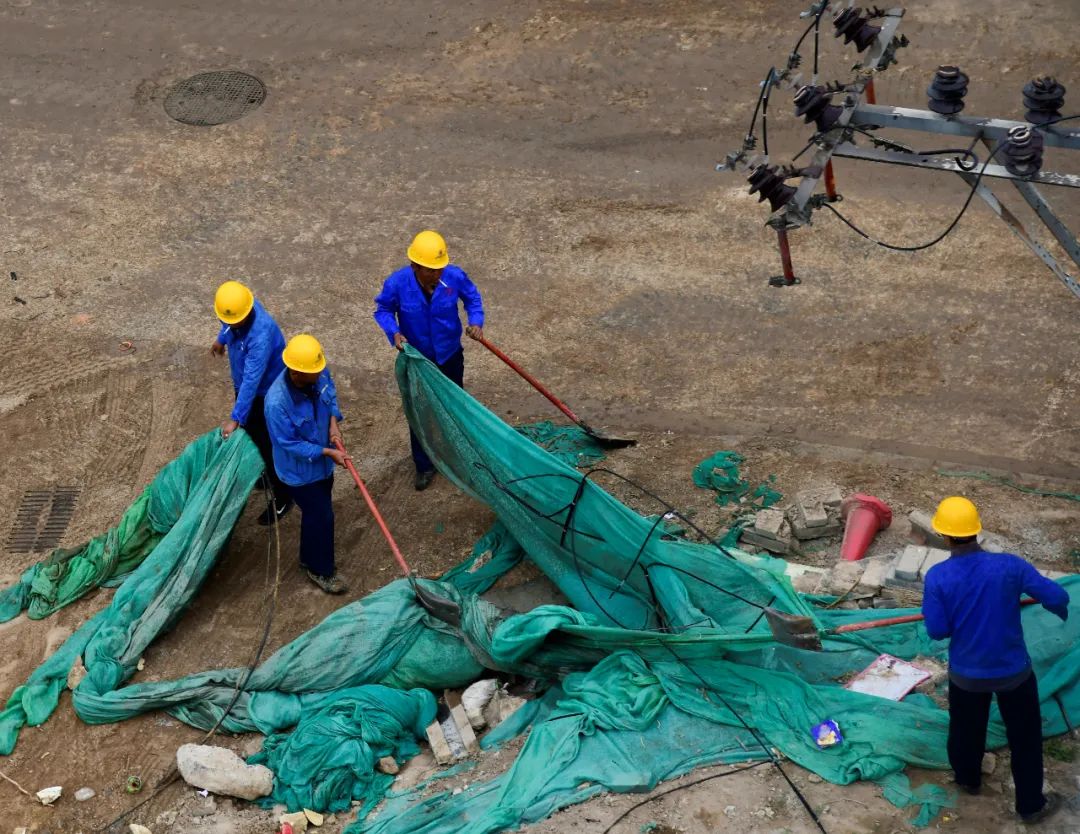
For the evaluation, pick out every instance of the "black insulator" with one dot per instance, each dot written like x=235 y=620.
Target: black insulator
x=947 y=91
x=1023 y=151
x=813 y=104
x=768 y=184
x=852 y=24
x=1043 y=97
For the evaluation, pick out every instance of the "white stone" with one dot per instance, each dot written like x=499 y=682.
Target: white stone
x=388 y=765
x=47 y=796
x=873 y=576
x=223 y=772
x=501 y=707
x=83 y=794
x=135 y=828
x=475 y=698
x=989 y=764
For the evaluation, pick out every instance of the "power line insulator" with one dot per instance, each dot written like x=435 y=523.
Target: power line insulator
x=853 y=25
x=769 y=185
x=947 y=91
x=1023 y=151
x=813 y=104
x=1043 y=97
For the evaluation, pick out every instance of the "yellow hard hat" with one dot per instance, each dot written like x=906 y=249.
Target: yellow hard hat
x=956 y=517
x=232 y=302
x=429 y=249
x=303 y=353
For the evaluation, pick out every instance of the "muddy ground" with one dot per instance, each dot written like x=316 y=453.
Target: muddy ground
x=565 y=149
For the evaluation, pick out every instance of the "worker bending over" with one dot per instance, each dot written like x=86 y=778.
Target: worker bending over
x=418 y=304
x=254 y=342
x=973 y=598
x=302 y=415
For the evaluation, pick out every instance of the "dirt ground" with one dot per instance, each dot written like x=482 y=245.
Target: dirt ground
x=566 y=150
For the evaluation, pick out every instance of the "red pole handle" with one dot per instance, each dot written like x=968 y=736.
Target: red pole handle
x=888 y=621
x=374 y=510
x=533 y=381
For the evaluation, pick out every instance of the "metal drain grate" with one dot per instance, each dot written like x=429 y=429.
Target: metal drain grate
x=213 y=98
x=42 y=519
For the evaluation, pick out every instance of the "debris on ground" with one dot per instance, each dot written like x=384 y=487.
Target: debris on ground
x=771 y=531
x=475 y=698
x=135 y=828
x=501 y=706
x=84 y=794
x=47 y=796
x=888 y=677
x=297 y=822
x=221 y=771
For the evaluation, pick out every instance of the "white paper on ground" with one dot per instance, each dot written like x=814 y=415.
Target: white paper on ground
x=888 y=677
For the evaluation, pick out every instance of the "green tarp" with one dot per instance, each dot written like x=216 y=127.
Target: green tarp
x=662 y=663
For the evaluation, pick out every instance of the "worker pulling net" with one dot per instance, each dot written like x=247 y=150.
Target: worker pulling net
x=663 y=662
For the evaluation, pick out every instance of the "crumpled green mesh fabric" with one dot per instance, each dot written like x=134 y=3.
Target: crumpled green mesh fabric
x=568 y=443
x=720 y=473
x=171 y=537
x=329 y=758
x=662 y=662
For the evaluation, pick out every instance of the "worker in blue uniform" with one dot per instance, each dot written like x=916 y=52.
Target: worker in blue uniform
x=418 y=304
x=254 y=343
x=973 y=598
x=302 y=415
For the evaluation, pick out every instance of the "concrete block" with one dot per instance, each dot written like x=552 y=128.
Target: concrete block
x=770 y=523
x=812 y=521
x=910 y=562
x=827 y=494
x=781 y=547
x=808 y=582
x=813 y=515
x=874 y=573
x=468 y=737
x=439 y=748
x=923 y=531
x=934 y=556
x=844 y=577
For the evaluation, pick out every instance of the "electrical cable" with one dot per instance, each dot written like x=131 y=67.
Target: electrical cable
x=656 y=796
x=172 y=775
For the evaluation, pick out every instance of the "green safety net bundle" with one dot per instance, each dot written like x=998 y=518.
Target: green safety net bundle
x=170 y=538
x=662 y=663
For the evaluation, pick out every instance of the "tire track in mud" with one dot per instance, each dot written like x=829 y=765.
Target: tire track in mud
x=169 y=405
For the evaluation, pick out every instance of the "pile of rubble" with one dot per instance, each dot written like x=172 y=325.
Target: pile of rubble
x=892 y=580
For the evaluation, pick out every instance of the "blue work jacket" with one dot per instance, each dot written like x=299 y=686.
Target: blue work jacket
x=432 y=327
x=298 y=420
x=973 y=598
x=254 y=358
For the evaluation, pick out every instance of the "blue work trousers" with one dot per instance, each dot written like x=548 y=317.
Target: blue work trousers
x=316 y=525
x=454 y=369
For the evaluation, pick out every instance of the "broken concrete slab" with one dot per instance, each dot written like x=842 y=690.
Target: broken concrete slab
x=934 y=556
x=922 y=530
x=465 y=730
x=437 y=741
x=827 y=494
x=221 y=771
x=874 y=572
x=771 y=531
x=843 y=578
x=910 y=562
x=297 y=822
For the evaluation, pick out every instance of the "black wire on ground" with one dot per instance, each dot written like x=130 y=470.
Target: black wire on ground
x=172 y=775
x=656 y=796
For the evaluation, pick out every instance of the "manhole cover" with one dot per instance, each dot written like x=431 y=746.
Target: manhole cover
x=213 y=98
x=42 y=519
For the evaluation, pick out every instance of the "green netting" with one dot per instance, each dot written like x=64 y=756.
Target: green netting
x=173 y=533
x=662 y=663
x=720 y=473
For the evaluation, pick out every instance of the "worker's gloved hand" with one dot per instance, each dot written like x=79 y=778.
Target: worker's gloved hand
x=400 y=341
x=475 y=331
x=336 y=456
x=228 y=427
x=217 y=348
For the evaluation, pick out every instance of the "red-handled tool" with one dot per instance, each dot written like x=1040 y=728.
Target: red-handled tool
x=800 y=632
x=600 y=437
x=444 y=609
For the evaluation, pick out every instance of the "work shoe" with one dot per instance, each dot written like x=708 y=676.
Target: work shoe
x=279 y=510
x=423 y=480
x=1052 y=806
x=329 y=584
